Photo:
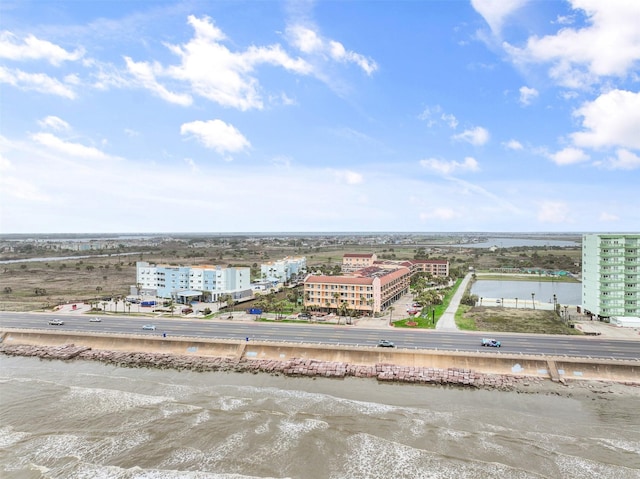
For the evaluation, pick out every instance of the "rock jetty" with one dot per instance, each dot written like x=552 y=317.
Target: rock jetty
x=290 y=367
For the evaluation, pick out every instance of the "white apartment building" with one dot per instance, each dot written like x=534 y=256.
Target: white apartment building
x=282 y=270
x=205 y=282
x=611 y=277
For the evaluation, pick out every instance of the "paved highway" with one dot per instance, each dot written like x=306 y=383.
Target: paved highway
x=578 y=346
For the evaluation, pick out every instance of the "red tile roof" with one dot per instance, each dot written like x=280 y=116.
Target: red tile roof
x=320 y=279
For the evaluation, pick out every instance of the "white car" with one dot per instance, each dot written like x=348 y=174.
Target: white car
x=149 y=327
x=56 y=322
x=95 y=320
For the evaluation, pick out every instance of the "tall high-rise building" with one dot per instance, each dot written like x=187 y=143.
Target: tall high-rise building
x=611 y=275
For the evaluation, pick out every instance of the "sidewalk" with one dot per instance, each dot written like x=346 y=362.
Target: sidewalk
x=448 y=320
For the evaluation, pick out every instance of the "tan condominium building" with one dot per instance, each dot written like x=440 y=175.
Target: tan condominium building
x=436 y=267
x=366 y=291
x=354 y=261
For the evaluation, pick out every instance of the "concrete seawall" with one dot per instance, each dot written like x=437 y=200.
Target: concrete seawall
x=556 y=368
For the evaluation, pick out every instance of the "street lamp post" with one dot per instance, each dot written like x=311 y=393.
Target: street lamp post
x=533 y=302
x=555 y=303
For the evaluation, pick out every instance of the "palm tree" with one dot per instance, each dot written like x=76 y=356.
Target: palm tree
x=336 y=296
x=391 y=309
x=343 y=310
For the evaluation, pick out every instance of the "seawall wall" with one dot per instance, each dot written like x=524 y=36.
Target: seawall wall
x=556 y=368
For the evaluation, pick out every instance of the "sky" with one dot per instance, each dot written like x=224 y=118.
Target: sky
x=327 y=116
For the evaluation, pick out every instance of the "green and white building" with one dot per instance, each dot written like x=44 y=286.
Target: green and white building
x=611 y=277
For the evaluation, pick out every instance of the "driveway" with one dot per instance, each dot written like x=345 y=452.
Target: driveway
x=447 y=321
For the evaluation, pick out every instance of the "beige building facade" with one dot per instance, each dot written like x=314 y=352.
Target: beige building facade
x=366 y=291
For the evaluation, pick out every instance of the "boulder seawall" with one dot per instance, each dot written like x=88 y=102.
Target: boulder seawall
x=290 y=367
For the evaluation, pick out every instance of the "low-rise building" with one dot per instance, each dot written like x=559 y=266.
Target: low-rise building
x=354 y=261
x=436 y=267
x=283 y=270
x=177 y=282
x=367 y=285
x=366 y=291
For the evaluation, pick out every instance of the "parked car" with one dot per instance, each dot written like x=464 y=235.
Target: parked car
x=491 y=343
x=56 y=322
x=95 y=320
x=149 y=327
x=304 y=316
x=383 y=343
x=187 y=310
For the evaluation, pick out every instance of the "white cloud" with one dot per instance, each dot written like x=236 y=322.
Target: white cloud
x=5 y=165
x=439 y=214
x=310 y=42
x=54 y=123
x=145 y=75
x=568 y=156
x=565 y=19
x=33 y=48
x=22 y=190
x=513 y=145
x=527 y=94
x=476 y=136
x=131 y=133
x=305 y=39
x=607 y=217
x=450 y=120
x=450 y=167
x=220 y=75
x=612 y=119
x=217 y=135
x=554 y=212
x=608 y=46
x=432 y=114
x=495 y=12
x=428 y=113
x=281 y=161
x=339 y=53
x=73 y=149
x=347 y=176
x=36 y=82
x=624 y=160
x=193 y=167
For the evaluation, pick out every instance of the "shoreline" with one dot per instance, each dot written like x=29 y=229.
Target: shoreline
x=311 y=368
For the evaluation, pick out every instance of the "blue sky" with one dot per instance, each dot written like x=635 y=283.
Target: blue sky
x=232 y=116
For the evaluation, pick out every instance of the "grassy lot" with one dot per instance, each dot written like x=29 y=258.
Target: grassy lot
x=491 y=319
x=424 y=321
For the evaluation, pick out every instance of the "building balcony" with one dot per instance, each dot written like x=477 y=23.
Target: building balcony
x=611 y=254
x=612 y=288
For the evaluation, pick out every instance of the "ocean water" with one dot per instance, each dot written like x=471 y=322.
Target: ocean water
x=88 y=420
